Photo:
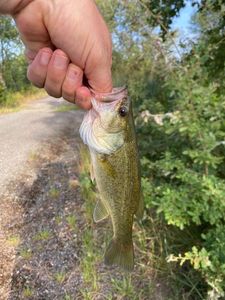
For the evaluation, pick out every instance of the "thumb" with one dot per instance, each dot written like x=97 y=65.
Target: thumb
x=100 y=78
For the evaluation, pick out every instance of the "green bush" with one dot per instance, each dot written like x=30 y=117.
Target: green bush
x=183 y=165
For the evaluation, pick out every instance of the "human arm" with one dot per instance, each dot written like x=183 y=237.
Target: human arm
x=65 y=40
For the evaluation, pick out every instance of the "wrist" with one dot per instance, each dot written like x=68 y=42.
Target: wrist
x=12 y=7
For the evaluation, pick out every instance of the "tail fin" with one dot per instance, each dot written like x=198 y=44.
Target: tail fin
x=120 y=254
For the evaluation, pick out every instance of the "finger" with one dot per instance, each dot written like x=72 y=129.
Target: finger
x=98 y=70
x=100 y=79
x=72 y=82
x=37 y=70
x=83 y=97
x=56 y=73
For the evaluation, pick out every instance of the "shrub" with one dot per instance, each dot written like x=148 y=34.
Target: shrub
x=183 y=165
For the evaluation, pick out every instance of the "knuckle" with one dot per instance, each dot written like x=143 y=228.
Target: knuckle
x=68 y=89
x=52 y=92
x=54 y=80
x=34 y=79
x=68 y=95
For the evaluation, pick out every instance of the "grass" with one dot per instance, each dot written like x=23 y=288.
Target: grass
x=34 y=156
x=72 y=222
x=88 y=266
x=60 y=277
x=13 y=241
x=42 y=235
x=66 y=107
x=54 y=193
x=124 y=287
x=67 y=297
x=14 y=101
x=91 y=254
x=58 y=220
x=27 y=292
x=26 y=254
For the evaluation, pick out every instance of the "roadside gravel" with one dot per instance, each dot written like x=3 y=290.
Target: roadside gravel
x=22 y=132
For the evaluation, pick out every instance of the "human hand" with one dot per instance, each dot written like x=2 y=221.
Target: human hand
x=67 y=43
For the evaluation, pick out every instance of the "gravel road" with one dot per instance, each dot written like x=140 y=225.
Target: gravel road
x=22 y=132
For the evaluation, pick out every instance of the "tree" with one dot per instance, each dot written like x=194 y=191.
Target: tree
x=12 y=62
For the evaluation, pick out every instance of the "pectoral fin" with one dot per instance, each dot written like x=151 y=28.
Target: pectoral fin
x=100 y=212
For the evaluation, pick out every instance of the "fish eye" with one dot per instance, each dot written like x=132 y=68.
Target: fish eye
x=123 y=111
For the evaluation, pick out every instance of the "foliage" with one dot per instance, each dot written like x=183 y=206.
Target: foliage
x=15 y=73
x=13 y=66
x=162 y=12
x=182 y=156
x=211 y=27
x=183 y=166
x=186 y=174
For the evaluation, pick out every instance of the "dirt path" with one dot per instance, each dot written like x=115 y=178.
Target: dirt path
x=39 y=241
x=22 y=132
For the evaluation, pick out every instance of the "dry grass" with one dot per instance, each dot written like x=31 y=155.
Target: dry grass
x=16 y=101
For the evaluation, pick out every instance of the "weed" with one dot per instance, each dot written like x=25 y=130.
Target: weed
x=89 y=261
x=42 y=235
x=90 y=253
x=67 y=297
x=60 y=277
x=54 y=192
x=66 y=107
x=26 y=253
x=13 y=240
x=27 y=292
x=124 y=287
x=58 y=220
x=71 y=220
x=33 y=156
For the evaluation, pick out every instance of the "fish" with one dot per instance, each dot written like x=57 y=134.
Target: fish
x=108 y=131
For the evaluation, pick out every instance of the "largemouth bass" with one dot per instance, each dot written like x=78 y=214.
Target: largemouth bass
x=108 y=130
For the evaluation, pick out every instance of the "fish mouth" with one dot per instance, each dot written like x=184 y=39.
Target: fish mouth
x=116 y=94
x=103 y=102
x=107 y=139
x=99 y=107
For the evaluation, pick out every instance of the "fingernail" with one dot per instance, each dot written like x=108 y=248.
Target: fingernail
x=60 y=61
x=45 y=58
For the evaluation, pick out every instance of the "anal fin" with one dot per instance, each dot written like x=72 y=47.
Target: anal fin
x=100 y=212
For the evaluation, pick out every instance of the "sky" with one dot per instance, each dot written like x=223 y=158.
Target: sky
x=182 y=23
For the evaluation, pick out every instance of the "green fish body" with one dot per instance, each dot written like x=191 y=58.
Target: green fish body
x=115 y=167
